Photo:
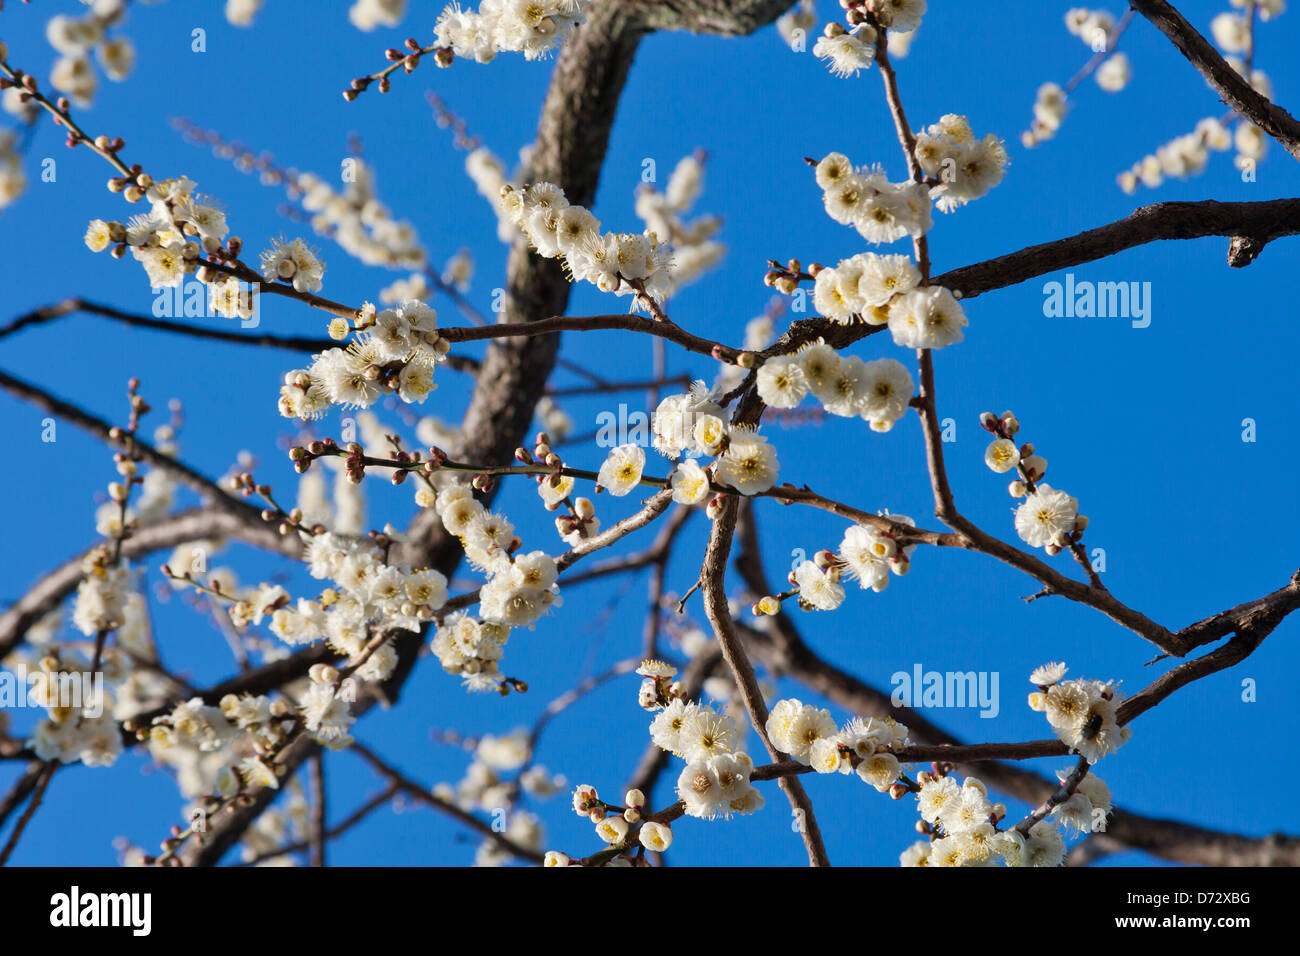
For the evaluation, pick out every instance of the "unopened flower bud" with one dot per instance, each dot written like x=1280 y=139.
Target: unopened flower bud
x=323 y=674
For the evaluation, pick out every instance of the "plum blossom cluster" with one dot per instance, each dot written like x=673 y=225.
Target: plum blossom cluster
x=622 y=263
x=693 y=731
x=693 y=249
x=965 y=168
x=458 y=270
x=1092 y=27
x=262 y=723
x=354 y=216
x=1083 y=713
x=850 y=49
x=718 y=786
x=181 y=227
x=864 y=198
x=79 y=690
x=883 y=290
x=84 y=702
x=325 y=709
x=866 y=747
x=715 y=780
x=498 y=774
x=1086 y=809
x=620 y=827
x=1048 y=518
x=1112 y=74
x=370 y=594
x=962 y=826
x=693 y=423
x=392 y=351
x=520 y=588
x=79 y=726
x=295 y=262
x=658 y=689
x=75 y=39
x=1188 y=155
x=358 y=221
x=867 y=554
x=1050 y=107
x=902 y=16
x=486 y=170
x=531 y=27
x=484 y=787
x=470 y=649
x=101 y=600
x=12 y=179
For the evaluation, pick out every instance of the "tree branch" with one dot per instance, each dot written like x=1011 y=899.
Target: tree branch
x=192 y=525
x=1262 y=221
x=1236 y=92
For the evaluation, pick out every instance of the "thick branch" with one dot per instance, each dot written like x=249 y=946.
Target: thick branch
x=1262 y=221
x=712 y=577
x=1237 y=93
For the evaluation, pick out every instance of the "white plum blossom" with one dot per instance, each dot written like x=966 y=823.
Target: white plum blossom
x=926 y=318
x=819 y=589
x=531 y=27
x=1046 y=517
x=690 y=483
x=846 y=52
x=621 y=470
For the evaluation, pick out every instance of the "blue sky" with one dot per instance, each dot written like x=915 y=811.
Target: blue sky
x=1144 y=426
